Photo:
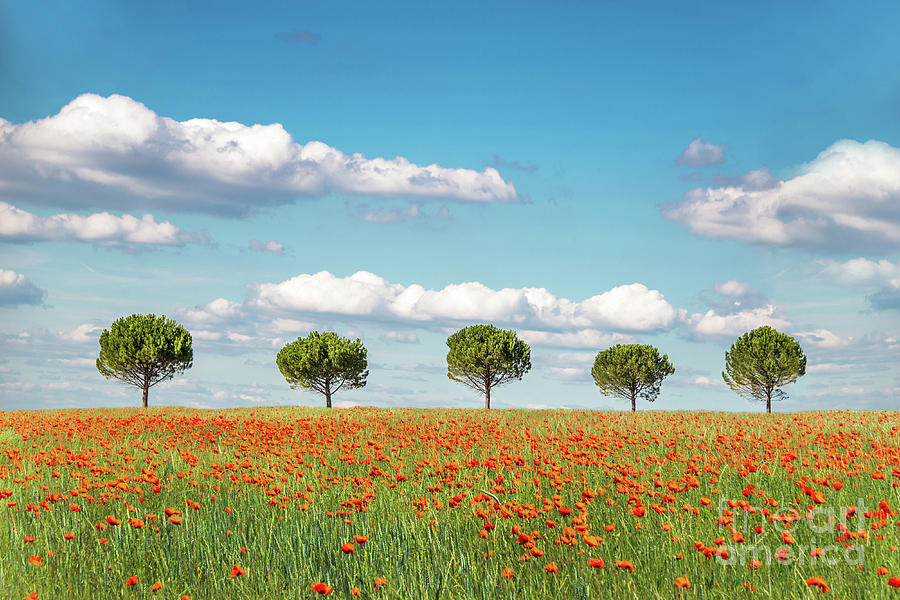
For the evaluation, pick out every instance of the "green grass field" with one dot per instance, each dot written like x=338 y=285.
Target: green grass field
x=450 y=503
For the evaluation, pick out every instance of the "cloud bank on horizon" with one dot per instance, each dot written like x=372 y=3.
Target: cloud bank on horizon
x=542 y=318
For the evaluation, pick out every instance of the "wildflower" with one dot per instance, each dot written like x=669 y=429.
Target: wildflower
x=69 y=536
x=36 y=561
x=133 y=580
x=355 y=592
x=156 y=586
x=551 y=568
x=348 y=548
x=818 y=581
x=113 y=521
x=683 y=582
x=625 y=564
x=508 y=573
x=596 y=563
x=380 y=581
x=321 y=588
x=361 y=539
x=237 y=570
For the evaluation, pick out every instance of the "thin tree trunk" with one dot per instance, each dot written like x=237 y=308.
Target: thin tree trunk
x=768 y=401
x=146 y=388
x=633 y=401
x=327 y=394
x=487 y=396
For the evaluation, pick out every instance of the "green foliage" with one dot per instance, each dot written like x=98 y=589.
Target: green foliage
x=631 y=371
x=324 y=363
x=483 y=357
x=762 y=361
x=143 y=350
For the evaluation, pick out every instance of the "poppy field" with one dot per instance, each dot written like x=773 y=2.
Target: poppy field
x=404 y=503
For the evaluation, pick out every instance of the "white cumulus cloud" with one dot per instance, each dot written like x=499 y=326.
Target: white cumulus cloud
x=847 y=199
x=712 y=323
x=116 y=152
x=102 y=229
x=861 y=271
x=16 y=289
x=627 y=307
x=699 y=153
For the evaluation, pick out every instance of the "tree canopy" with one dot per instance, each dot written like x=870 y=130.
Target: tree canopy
x=760 y=362
x=483 y=357
x=143 y=350
x=630 y=371
x=323 y=362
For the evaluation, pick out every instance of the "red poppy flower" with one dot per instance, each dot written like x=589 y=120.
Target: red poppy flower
x=237 y=570
x=818 y=581
x=625 y=564
x=321 y=588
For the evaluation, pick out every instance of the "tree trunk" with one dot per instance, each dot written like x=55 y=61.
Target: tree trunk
x=146 y=388
x=768 y=401
x=487 y=396
x=633 y=401
x=327 y=394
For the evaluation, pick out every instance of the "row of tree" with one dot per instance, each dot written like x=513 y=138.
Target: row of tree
x=144 y=350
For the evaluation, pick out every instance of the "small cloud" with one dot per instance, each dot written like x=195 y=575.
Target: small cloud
x=887 y=298
x=391 y=216
x=700 y=153
x=861 y=271
x=823 y=338
x=78 y=362
x=403 y=338
x=16 y=289
x=828 y=367
x=101 y=229
x=500 y=163
x=443 y=213
x=271 y=247
x=757 y=179
x=568 y=373
x=298 y=37
x=716 y=324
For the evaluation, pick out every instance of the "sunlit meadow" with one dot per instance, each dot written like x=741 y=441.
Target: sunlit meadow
x=374 y=503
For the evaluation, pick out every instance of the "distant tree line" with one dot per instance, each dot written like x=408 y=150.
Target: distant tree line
x=144 y=350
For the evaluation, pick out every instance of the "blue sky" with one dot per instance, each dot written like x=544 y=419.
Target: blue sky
x=598 y=174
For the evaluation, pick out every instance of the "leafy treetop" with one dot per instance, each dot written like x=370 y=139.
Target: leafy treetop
x=143 y=350
x=631 y=371
x=323 y=362
x=483 y=357
x=762 y=361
